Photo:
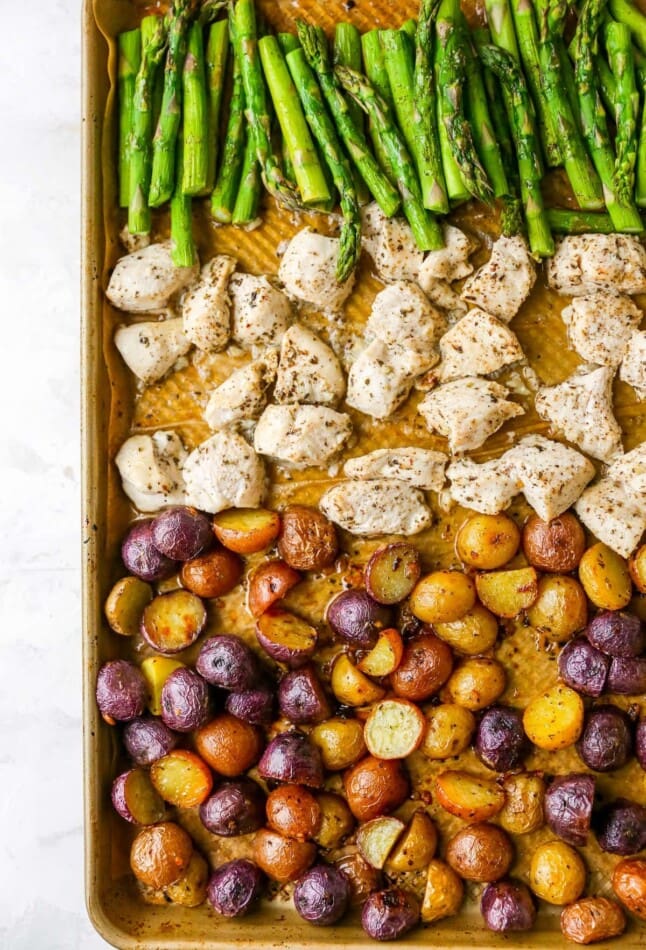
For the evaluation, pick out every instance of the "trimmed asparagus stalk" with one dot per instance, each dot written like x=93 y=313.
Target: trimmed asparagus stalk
x=129 y=59
x=226 y=186
x=288 y=42
x=347 y=52
x=424 y=110
x=217 y=53
x=607 y=83
x=245 y=210
x=567 y=73
x=181 y=217
x=375 y=69
x=195 y=121
x=565 y=221
x=619 y=50
x=640 y=172
x=409 y=27
x=633 y=18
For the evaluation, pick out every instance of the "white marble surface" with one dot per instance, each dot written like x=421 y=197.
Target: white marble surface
x=41 y=834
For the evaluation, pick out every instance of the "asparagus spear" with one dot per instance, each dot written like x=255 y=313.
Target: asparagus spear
x=217 y=53
x=409 y=28
x=640 y=173
x=507 y=69
x=153 y=45
x=317 y=54
x=347 y=52
x=633 y=18
x=181 y=218
x=129 y=60
x=375 y=69
x=620 y=56
x=328 y=140
x=195 y=120
x=425 y=113
x=566 y=221
x=226 y=186
x=567 y=73
x=607 y=83
x=426 y=230
x=245 y=210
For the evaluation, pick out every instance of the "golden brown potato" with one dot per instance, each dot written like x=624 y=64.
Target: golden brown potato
x=557 y=873
x=508 y=593
x=337 y=821
x=362 y=877
x=425 y=667
x=443 y=596
x=523 y=808
x=340 y=741
x=376 y=839
x=473 y=634
x=307 y=541
x=153 y=895
x=190 y=890
x=416 y=846
x=605 y=577
x=468 y=796
x=637 y=569
x=556 y=545
x=443 y=894
x=160 y=854
x=487 y=541
x=629 y=884
x=374 y=787
x=156 y=670
x=181 y=778
x=293 y=811
x=125 y=605
x=229 y=745
x=282 y=859
x=350 y=686
x=385 y=656
x=213 y=574
x=246 y=530
x=480 y=852
x=394 y=729
x=554 y=719
x=592 y=919
x=561 y=608
x=476 y=683
x=448 y=732
x=268 y=584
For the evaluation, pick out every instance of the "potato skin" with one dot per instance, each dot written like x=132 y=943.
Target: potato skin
x=523 y=808
x=246 y=530
x=561 y=608
x=212 y=574
x=554 y=720
x=268 y=584
x=507 y=906
x=125 y=604
x=120 y=691
x=291 y=757
x=476 y=683
x=449 y=731
x=229 y=745
x=592 y=919
x=473 y=634
x=629 y=884
x=190 y=890
x=362 y=878
x=160 y=854
x=443 y=596
x=340 y=741
x=234 y=887
x=389 y=914
x=293 y=811
x=568 y=807
x=308 y=540
x=487 y=541
x=374 y=787
x=321 y=896
x=235 y=808
x=605 y=578
x=336 y=821
x=416 y=847
x=637 y=569
x=557 y=874
x=443 y=894
x=425 y=667
x=282 y=859
x=621 y=827
x=556 y=545
x=480 y=852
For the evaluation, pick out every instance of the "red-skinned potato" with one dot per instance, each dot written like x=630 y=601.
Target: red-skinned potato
x=285 y=637
x=161 y=854
x=308 y=540
x=246 y=530
x=425 y=667
x=182 y=778
x=229 y=745
x=213 y=574
x=629 y=884
x=293 y=811
x=282 y=859
x=592 y=919
x=374 y=787
x=269 y=583
x=392 y=572
x=385 y=656
x=480 y=852
x=135 y=799
x=172 y=622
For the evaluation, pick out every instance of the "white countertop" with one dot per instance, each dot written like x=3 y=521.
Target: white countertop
x=41 y=825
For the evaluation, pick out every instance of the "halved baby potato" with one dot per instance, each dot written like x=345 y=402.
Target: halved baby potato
x=468 y=796
x=507 y=593
x=182 y=778
x=385 y=656
x=416 y=847
x=443 y=894
x=172 y=622
x=376 y=838
x=135 y=799
x=125 y=605
x=350 y=686
x=268 y=584
x=156 y=670
x=190 y=890
x=554 y=720
x=285 y=637
x=394 y=729
x=392 y=573
x=246 y=530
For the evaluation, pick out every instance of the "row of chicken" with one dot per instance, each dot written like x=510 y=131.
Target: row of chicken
x=286 y=403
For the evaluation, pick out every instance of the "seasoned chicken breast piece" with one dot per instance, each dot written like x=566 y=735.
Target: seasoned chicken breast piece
x=600 y=326
x=133 y=242
x=584 y=263
x=242 y=396
x=422 y=468
x=633 y=366
x=376 y=506
x=402 y=315
x=614 y=514
x=224 y=472
x=581 y=408
x=308 y=271
x=442 y=295
x=477 y=345
x=467 y=411
x=300 y=436
x=151 y=470
x=150 y=349
x=630 y=469
x=260 y=312
x=206 y=308
x=485 y=487
x=503 y=284
x=381 y=378
x=451 y=262
x=390 y=244
x=146 y=279
x=309 y=371
x=550 y=474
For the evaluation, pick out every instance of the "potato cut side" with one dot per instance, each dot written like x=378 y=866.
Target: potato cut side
x=507 y=593
x=182 y=778
x=156 y=670
x=125 y=605
x=268 y=584
x=141 y=798
x=350 y=686
x=554 y=720
x=172 y=622
x=286 y=637
x=468 y=796
x=394 y=729
x=385 y=656
x=190 y=890
x=416 y=846
x=443 y=894
x=376 y=838
x=246 y=530
x=392 y=573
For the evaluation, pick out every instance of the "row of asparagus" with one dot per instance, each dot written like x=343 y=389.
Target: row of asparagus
x=419 y=118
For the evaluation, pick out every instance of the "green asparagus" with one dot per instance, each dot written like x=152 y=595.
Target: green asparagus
x=288 y=42
x=195 y=119
x=129 y=60
x=607 y=83
x=347 y=52
x=566 y=221
x=409 y=27
x=375 y=69
x=226 y=186
x=181 y=217
x=217 y=53
x=245 y=210
x=633 y=18
x=620 y=56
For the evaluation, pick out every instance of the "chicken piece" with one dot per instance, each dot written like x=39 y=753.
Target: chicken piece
x=308 y=271
x=422 y=468
x=390 y=244
x=487 y=488
x=402 y=315
x=151 y=470
x=550 y=474
x=224 y=472
x=584 y=263
x=376 y=506
x=581 y=408
x=309 y=371
x=382 y=377
x=630 y=470
x=145 y=280
x=613 y=514
x=503 y=284
x=599 y=326
x=442 y=295
x=150 y=349
x=633 y=367
x=452 y=261
x=260 y=312
x=477 y=345
x=243 y=396
x=467 y=411
x=301 y=436
x=133 y=242
x=206 y=307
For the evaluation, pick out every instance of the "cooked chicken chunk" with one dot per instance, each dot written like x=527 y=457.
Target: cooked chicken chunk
x=206 y=307
x=309 y=371
x=151 y=470
x=260 y=312
x=487 y=487
x=133 y=242
x=382 y=377
x=442 y=295
x=243 y=396
x=300 y=436
x=402 y=315
x=422 y=468
x=630 y=469
x=308 y=271
x=477 y=345
x=452 y=261
x=633 y=367
x=467 y=411
x=550 y=474
x=581 y=408
x=584 y=263
x=146 y=279
x=224 y=472
x=390 y=244
x=376 y=506
x=599 y=326
x=503 y=284
x=150 y=349
x=614 y=514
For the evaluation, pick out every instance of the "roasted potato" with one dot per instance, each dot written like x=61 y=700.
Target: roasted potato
x=480 y=852
x=617 y=633
x=568 y=807
x=336 y=823
x=308 y=540
x=473 y=634
x=156 y=670
x=627 y=675
x=385 y=656
x=416 y=846
x=322 y=895
x=637 y=569
x=185 y=700
x=350 y=686
x=235 y=887
x=301 y=697
x=556 y=545
x=376 y=839
x=246 y=530
x=448 y=731
x=190 y=889
x=443 y=894
x=141 y=557
x=282 y=859
x=508 y=593
x=557 y=873
x=235 y=808
x=629 y=884
x=583 y=667
x=341 y=742
x=561 y=608
x=120 y=691
x=606 y=742
x=125 y=605
x=293 y=811
x=468 y=796
x=394 y=729
x=554 y=719
x=135 y=799
x=268 y=584
x=476 y=683
x=425 y=667
x=362 y=877
x=229 y=745
x=181 y=532
x=286 y=637
x=501 y=742
x=487 y=541
x=160 y=854
x=213 y=574
x=226 y=661
x=182 y=778
x=621 y=827
x=392 y=572
x=374 y=787
x=389 y=914
x=172 y=622
x=605 y=578
x=592 y=919
x=354 y=616
x=507 y=906
x=147 y=739
x=255 y=706
x=443 y=596
x=291 y=757
x=523 y=808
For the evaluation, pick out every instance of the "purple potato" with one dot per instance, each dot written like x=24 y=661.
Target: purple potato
x=235 y=808
x=301 y=697
x=142 y=558
x=627 y=675
x=621 y=827
x=321 y=896
x=185 y=700
x=640 y=742
x=606 y=741
x=135 y=799
x=234 y=887
x=291 y=757
x=583 y=667
x=389 y=914
x=568 y=807
x=181 y=533
x=120 y=691
x=501 y=742
x=507 y=906
x=617 y=633
x=228 y=662
x=147 y=740
x=255 y=706
x=357 y=618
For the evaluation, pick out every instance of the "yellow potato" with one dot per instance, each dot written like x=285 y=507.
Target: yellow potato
x=337 y=820
x=448 y=732
x=523 y=808
x=476 y=683
x=443 y=596
x=557 y=873
x=190 y=890
x=605 y=577
x=473 y=634
x=554 y=719
x=350 y=686
x=637 y=568
x=560 y=609
x=508 y=593
x=443 y=894
x=468 y=796
x=156 y=670
x=416 y=846
x=125 y=605
x=340 y=741
x=376 y=838
x=487 y=541
x=394 y=729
